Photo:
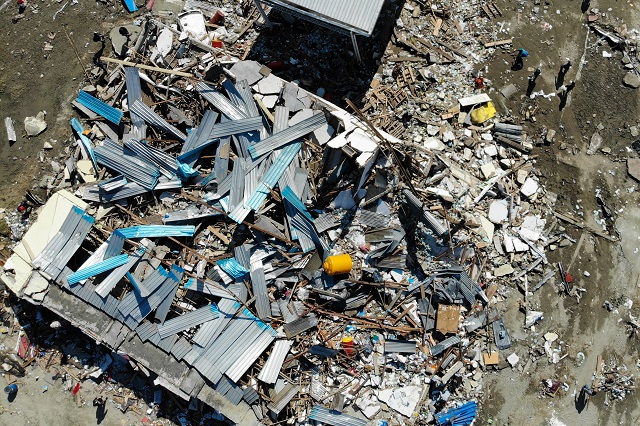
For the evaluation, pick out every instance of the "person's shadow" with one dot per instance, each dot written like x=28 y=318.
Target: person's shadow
x=581 y=402
x=585 y=5
x=101 y=413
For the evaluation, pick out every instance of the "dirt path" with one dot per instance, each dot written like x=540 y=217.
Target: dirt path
x=599 y=103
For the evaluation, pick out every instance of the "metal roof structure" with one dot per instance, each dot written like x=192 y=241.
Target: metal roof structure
x=353 y=16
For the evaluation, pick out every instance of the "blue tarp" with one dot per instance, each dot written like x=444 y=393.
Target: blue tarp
x=461 y=416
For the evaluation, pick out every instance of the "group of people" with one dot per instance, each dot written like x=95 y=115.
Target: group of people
x=562 y=88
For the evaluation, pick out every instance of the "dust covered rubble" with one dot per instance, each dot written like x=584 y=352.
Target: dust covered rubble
x=248 y=187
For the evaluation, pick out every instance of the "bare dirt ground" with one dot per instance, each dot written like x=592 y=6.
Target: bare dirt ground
x=599 y=103
x=34 y=79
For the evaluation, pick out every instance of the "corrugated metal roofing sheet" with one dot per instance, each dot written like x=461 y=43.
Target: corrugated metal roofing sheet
x=301 y=324
x=98 y=268
x=282 y=398
x=180 y=348
x=269 y=373
x=117 y=274
x=334 y=418
x=400 y=346
x=287 y=136
x=156 y=231
x=272 y=176
x=249 y=357
x=96 y=105
x=219 y=101
x=112 y=155
x=166 y=163
x=144 y=111
x=134 y=92
x=357 y=16
x=232 y=267
x=188 y=320
x=259 y=285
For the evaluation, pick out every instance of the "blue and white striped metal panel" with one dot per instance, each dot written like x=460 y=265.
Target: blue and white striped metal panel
x=234 y=95
x=134 y=92
x=232 y=267
x=98 y=268
x=115 y=243
x=270 y=179
x=112 y=155
x=200 y=134
x=259 y=285
x=96 y=105
x=166 y=163
x=219 y=101
x=113 y=183
x=88 y=146
x=354 y=16
x=271 y=369
x=116 y=275
x=156 y=231
x=144 y=111
x=291 y=197
x=224 y=129
x=334 y=417
x=287 y=136
x=188 y=320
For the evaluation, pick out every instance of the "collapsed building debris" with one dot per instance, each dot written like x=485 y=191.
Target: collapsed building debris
x=198 y=224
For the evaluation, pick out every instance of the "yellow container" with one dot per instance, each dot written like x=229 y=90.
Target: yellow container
x=483 y=113
x=340 y=264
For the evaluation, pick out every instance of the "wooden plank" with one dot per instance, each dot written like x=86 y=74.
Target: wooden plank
x=498 y=42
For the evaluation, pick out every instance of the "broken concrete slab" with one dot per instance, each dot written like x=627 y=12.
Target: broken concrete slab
x=35 y=125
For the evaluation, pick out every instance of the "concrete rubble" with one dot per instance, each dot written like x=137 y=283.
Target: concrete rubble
x=193 y=224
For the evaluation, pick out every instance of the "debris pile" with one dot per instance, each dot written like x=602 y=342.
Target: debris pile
x=278 y=258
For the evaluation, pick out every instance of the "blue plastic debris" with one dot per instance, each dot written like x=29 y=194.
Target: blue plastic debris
x=77 y=126
x=130 y=5
x=461 y=416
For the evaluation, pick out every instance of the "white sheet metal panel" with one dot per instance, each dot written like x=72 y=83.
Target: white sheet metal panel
x=358 y=16
x=269 y=373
